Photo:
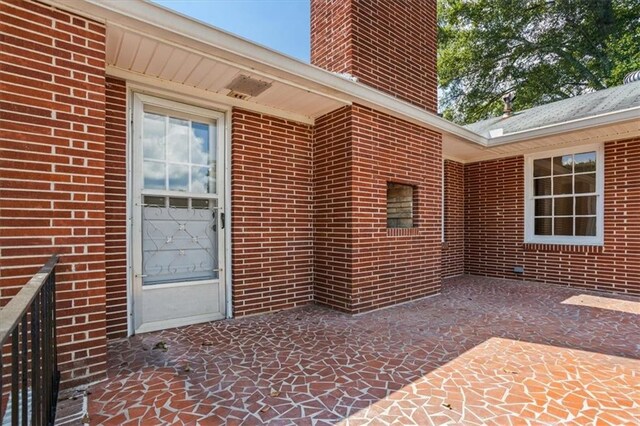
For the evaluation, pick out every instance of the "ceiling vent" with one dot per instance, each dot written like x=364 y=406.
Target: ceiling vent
x=237 y=95
x=245 y=87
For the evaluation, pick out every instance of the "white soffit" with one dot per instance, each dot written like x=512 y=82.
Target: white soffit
x=147 y=42
x=149 y=20
x=142 y=58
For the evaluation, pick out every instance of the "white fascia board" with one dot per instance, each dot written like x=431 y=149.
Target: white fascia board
x=608 y=118
x=145 y=16
x=166 y=24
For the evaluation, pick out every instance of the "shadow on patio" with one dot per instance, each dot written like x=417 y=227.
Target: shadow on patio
x=485 y=351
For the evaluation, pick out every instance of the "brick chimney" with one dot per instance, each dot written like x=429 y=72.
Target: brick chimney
x=387 y=44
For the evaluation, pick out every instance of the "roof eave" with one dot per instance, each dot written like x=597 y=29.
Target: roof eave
x=605 y=119
x=167 y=23
x=260 y=58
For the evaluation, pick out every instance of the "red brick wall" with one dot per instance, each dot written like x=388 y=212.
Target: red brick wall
x=333 y=209
x=388 y=44
x=494 y=227
x=494 y=216
x=361 y=265
x=52 y=163
x=453 y=245
x=394 y=266
x=331 y=34
x=271 y=192
x=115 y=178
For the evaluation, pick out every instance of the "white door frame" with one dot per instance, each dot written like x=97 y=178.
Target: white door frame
x=136 y=89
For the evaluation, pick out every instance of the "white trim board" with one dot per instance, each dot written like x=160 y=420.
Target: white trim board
x=173 y=27
x=180 y=30
x=229 y=216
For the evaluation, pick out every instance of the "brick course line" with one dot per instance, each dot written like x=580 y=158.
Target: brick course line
x=388 y=45
x=53 y=104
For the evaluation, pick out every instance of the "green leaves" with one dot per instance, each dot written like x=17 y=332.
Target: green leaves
x=545 y=50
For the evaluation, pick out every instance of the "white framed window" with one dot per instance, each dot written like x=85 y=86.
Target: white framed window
x=564 y=196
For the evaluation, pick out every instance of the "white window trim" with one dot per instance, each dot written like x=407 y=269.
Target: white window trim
x=530 y=237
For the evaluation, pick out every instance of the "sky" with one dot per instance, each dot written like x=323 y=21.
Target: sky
x=281 y=25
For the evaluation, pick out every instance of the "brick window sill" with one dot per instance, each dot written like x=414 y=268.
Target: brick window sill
x=396 y=232
x=566 y=248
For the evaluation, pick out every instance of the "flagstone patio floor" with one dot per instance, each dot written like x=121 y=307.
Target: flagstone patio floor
x=485 y=351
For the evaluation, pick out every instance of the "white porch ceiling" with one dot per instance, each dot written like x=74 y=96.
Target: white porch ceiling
x=201 y=61
x=145 y=56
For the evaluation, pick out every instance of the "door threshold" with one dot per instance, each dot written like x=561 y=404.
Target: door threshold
x=177 y=322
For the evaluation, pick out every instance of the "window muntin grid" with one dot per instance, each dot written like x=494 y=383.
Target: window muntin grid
x=565 y=195
x=179 y=154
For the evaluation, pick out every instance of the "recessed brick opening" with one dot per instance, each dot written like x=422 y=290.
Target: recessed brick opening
x=399 y=205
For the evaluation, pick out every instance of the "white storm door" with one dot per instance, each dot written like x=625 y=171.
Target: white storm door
x=178 y=242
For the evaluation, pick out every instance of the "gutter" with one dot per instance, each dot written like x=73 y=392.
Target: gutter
x=604 y=119
x=195 y=35
x=228 y=47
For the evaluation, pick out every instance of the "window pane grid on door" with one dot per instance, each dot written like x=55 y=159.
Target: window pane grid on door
x=179 y=154
x=565 y=195
x=200 y=202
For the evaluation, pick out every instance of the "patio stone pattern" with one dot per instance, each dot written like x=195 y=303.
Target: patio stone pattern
x=485 y=351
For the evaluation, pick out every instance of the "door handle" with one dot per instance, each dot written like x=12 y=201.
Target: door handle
x=215 y=222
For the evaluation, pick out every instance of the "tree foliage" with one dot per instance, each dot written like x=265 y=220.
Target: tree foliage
x=543 y=50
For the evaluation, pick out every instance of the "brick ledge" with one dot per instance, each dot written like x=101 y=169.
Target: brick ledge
x=403 y=231
x=567 y=248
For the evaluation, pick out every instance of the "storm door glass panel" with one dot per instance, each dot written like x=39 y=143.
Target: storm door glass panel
x=179 y=240
x=204 y=164
x=179 y=209
x=154 y=150
x=178 y=140
x=179 y=154
x=154 y=140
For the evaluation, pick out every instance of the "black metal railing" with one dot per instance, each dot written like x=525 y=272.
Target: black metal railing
x=29 y=380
